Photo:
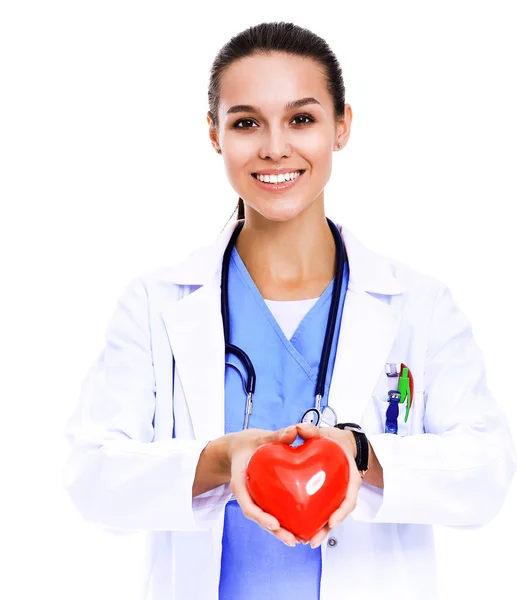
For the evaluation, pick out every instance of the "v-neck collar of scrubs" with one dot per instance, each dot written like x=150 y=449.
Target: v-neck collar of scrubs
x=290 y=345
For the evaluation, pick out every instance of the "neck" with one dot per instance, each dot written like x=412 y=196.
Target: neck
x=289 y=260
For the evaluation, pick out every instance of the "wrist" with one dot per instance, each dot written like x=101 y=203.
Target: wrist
x=211 y=470
x=219 y=448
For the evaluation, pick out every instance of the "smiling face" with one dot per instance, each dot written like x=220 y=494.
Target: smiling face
x=276 y=116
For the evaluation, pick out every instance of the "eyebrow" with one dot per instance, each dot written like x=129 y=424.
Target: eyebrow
x=290 y=105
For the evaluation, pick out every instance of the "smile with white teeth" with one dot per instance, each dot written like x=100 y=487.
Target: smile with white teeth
x=277 y=178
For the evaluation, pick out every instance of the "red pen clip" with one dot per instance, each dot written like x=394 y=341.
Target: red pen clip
x=411 y=383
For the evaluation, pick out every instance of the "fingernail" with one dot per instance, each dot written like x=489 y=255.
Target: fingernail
x=290 y=544
x=289 y=429
x=316 y=545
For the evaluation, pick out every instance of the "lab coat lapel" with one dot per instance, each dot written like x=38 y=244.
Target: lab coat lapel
x=195 y=330
x=368 y=330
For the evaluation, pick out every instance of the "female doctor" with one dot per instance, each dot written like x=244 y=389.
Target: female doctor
x=286 y=318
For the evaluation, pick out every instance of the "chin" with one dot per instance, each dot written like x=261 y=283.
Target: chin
x=279 y=214
x=280 y=209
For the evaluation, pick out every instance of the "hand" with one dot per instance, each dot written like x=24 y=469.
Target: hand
x=346 y=440
x=240 y=447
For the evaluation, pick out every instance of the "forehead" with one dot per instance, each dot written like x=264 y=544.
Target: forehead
x=269 y=81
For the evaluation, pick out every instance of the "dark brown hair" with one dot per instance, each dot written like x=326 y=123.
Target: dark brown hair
x=267 y=38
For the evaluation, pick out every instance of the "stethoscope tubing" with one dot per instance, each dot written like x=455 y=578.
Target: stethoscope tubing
x=230 y=348
x=333 y=312
x=329 y=333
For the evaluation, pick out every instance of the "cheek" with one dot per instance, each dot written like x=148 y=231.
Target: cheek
x=237 y=154
x=320 y=149
x=319 y=156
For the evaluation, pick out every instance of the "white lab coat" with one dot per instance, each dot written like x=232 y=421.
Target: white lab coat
x=451 y=464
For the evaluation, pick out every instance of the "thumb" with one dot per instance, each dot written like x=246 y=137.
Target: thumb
x=287 y=436
x=307 y=431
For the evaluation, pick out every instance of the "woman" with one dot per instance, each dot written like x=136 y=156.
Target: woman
x=159 y=439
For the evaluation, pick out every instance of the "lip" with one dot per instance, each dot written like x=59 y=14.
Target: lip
x=277 y=187
x=279 y=171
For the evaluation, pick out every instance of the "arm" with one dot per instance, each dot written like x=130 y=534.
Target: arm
x=213 y=468
x=116 y=475
x=459 y=471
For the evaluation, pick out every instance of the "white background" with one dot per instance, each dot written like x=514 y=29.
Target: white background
x=106 y=170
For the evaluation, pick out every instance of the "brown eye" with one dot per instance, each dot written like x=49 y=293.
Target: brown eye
x=308 y=117
x=236 y=124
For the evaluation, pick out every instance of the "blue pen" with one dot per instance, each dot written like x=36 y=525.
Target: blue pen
x=392 y=413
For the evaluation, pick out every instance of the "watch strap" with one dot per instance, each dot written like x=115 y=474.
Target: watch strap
x=361 y=441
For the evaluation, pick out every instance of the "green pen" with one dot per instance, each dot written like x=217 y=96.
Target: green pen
x=404 y=389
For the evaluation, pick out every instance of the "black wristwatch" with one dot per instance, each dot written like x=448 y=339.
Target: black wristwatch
x=362 y=446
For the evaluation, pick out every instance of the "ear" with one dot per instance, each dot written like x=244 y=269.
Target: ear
x=213 y=133
x=343 y=126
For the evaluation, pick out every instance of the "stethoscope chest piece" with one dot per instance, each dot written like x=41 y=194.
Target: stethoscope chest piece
x=325 y=418
x=312 y=416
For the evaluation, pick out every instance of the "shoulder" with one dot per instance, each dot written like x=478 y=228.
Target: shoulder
x=416 y=282
x=191 y=271
x=160 y=284
x=380 y=274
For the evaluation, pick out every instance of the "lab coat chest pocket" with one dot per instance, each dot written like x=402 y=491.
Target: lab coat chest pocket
x=375 y=413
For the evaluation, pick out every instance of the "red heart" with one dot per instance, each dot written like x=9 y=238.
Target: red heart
x=301 y=486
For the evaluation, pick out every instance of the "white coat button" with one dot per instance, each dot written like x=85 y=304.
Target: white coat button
x=332 y=542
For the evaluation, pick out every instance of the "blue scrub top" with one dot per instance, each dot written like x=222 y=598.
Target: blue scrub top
x=255 y=564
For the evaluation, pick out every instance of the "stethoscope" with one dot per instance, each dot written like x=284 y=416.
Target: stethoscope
x=321 y=418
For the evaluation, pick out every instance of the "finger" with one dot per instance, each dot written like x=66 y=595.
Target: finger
x=331 y=432
x=285 y=536
x=348 y=504
x=320 y=536
x=249 y=508
x=300 y=541
x=254 y=512
x=264 y=519
x=338 y=435
x=286 y=436
x=307 y=430
x=343 y=438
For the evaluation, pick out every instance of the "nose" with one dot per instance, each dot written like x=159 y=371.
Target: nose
x=276 y=145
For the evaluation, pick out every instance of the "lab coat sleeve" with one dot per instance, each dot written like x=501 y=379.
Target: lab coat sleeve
x=116 y=475
x=458 y=472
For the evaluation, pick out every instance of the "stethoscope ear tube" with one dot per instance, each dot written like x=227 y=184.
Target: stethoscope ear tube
x=334 y=308
x=230 y=348
x=225 y=311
